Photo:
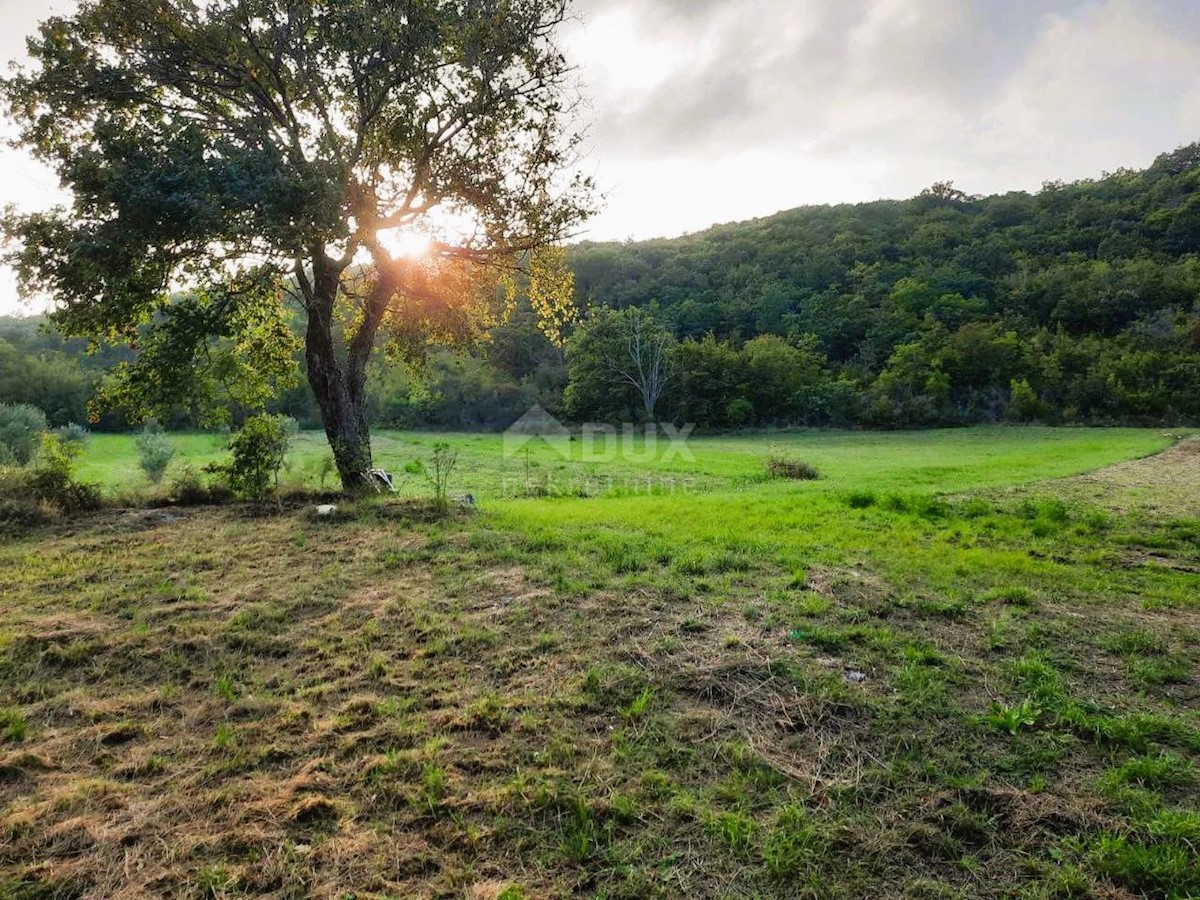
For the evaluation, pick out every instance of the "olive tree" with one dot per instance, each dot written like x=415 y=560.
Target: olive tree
x=250 y=156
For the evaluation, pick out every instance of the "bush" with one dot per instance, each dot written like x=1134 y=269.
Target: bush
x=21 y=427
x=794 y=469
x=188 y=488
x=739 y=412
x=53 y=477
x=73 y=433
x=259 y=449
x=20 y=515
x=441 y=466
x=20 y=509
x=325 y=468
x=155 y=452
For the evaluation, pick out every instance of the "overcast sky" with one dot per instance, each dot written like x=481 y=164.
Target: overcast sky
x=711 y=111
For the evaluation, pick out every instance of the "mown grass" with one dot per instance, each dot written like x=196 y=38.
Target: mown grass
x=933 y=672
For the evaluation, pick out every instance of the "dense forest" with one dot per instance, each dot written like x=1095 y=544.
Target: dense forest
x=1077 y=304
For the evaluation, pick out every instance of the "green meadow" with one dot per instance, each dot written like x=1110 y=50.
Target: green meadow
x=928 y=461
x=955 y=664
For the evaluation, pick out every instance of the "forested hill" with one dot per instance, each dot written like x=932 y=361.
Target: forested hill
x=1078 y=304
x=1092 y=256
x=1088 y=290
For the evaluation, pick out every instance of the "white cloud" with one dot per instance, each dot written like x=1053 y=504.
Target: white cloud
x=1098 y=90
x=716 y=110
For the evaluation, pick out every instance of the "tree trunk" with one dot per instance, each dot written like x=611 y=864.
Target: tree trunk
x=340 y=392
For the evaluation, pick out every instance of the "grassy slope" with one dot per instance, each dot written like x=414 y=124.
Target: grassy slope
x=845 y=687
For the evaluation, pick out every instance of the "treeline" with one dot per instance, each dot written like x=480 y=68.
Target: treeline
x=39 y=368
x=1077 y=304
x=1080 y=303
x=480 y=388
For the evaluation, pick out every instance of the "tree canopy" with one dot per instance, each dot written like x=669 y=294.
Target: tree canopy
x=258 y=151
x=1080 y=303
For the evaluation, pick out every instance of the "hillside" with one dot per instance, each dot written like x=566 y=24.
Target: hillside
x=1077 y=304
x=1086 y=290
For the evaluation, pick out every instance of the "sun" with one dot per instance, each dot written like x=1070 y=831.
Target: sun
x=406 y=243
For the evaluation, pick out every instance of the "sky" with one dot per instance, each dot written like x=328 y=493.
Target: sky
x=707 y=111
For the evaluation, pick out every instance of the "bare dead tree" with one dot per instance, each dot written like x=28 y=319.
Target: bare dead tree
x=642 y=360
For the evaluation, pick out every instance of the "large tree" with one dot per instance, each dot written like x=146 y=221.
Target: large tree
x=255 y=149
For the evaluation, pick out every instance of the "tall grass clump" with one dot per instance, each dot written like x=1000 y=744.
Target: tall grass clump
x=781 y=467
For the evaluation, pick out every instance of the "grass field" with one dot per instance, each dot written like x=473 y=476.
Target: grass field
x=960 y=664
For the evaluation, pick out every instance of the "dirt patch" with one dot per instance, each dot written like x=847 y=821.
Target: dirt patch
x=848 y=587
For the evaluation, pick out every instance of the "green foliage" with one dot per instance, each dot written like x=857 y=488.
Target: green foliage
x=1076 y=304
x=13 y=726
x=1013 y=718
x=208 y=353
x=619 y=365
x=53 y=477
x=224 y=738
x=258 y=451
x=326 y=467
x=73 y=433
x=441 y=466
x=187 y=486
x=155 y=452
x=1024 y=403
x=793 y=843
x=240 y=186
x=1150 y=867
x=1160 y=770
x=740 y=412
x=639 y=706
x=39 y=367
x=21 y=427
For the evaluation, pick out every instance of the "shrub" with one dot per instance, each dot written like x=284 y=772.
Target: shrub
x=53 y=478
x=441 y=467
x=73 y=433
x=187 y=487
x=259 y=450
x=794 y=469
x=326 y=468
x=20 y=508
x=155 y=452
x=1025 y=405
x=21 y=426
x=739 y=412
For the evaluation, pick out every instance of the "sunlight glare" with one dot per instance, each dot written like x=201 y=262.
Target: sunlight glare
x=405 y=243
